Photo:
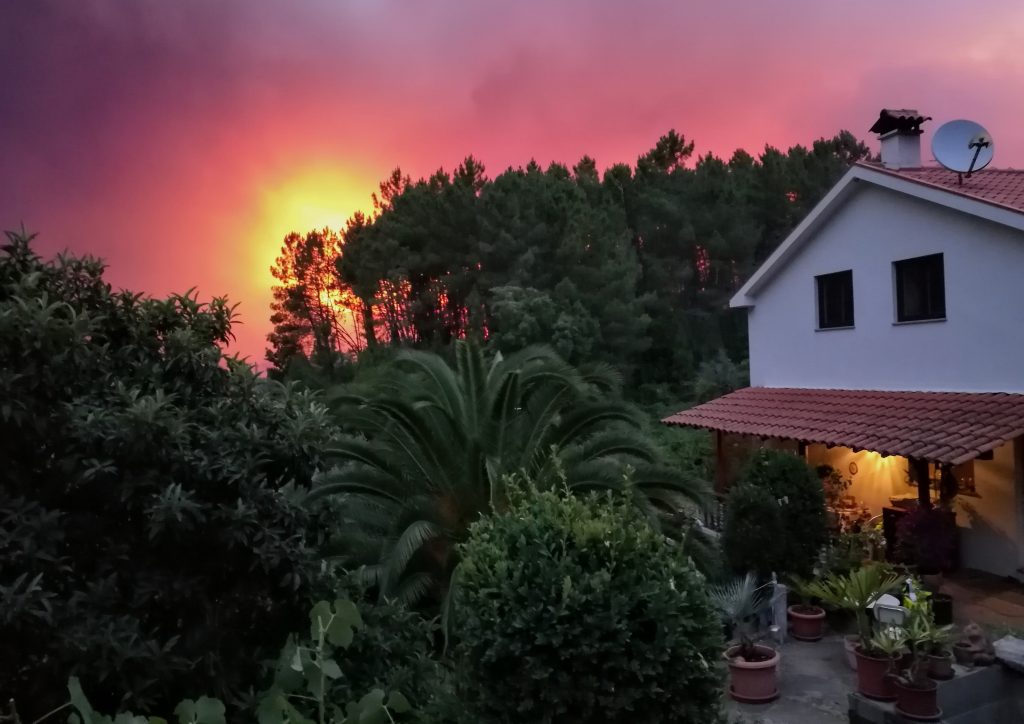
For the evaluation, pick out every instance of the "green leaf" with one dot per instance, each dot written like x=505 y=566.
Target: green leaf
x=210 y=711
x=330 y=668
x=204 y=710
x=398 y=703
x=371 y=708
x=346 y=620
x=319 y=619
x=79 y=700
x=126 y=717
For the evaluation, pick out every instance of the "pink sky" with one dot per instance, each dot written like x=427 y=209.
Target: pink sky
x=181 y=140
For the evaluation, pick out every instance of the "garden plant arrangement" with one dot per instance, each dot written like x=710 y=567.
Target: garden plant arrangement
x=753 y=677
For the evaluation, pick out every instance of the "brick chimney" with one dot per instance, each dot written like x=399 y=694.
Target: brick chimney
x=899 y=131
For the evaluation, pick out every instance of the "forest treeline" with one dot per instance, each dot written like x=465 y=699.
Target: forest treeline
x=633 y=268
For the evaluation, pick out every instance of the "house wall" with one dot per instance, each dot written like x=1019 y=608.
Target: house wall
x=980 y=346
x=990 y=522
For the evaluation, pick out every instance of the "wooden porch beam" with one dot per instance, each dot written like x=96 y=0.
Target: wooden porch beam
x=721 y=473
x=924 y=488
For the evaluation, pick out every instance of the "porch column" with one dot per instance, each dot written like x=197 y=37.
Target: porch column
x=919 y=468
x=721 y=474
x=1018 y=496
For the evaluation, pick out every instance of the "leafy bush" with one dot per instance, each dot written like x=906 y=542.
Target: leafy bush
x=796 y=485
x=309 y=684
x=753 y=533
x=394 y=651
x=151 y=526
x=927 y=538
x=573 y=609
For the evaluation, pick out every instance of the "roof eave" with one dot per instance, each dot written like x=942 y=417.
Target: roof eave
x=883 y=178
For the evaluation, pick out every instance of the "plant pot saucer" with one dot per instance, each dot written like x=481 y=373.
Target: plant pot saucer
x=805 y=638
x=753 y=699
x=920 y=717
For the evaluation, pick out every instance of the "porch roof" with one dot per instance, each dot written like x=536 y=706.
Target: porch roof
x=944 y=427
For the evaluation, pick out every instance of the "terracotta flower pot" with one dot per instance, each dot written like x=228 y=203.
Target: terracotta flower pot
x=806 y=623
x=941 y=667
x=874 y=676
x=850 y=644
x=753 y=682
x=918 y=702
x=964 y=653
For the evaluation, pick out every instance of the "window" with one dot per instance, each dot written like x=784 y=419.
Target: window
x=920 y=289
x=835 y=300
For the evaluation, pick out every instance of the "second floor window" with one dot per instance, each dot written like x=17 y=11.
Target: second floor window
x=835 y=299
x=920 y=288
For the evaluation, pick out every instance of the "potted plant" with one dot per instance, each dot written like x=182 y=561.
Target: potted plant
x=889 y=643
x=854 y=592
x=940 y=651
x=753 y=675
x=916 y=694
x=806 y=619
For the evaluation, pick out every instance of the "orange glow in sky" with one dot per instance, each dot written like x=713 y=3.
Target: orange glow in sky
x=182 y=140
x=313 y=198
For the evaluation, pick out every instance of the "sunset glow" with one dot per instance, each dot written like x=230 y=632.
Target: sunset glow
x=315 y=198
x=181 y=141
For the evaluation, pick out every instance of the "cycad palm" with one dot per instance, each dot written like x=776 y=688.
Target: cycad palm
x=435 y=445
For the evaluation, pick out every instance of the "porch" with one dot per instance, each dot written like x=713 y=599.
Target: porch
x=894 y=451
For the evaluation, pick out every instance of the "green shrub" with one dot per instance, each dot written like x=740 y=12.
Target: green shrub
x=394 y=651
x=152 y=532
x=752 y=533
x=576 y=610
x=310 y=684
x=796 y=485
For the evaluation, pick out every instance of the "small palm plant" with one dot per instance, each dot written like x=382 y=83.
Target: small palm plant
x=854 y=592
x=433 y=445
x=740 y=602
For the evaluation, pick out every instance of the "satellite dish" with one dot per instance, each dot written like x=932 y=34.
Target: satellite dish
x=963 y=146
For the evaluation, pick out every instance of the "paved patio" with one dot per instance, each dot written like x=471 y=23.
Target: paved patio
x=814 y=681
x=986 y=599
x=814 y=678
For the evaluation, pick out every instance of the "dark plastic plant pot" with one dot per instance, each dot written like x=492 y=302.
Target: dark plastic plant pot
x=753 y=682
x=806 y=623
x=918 y=702
x=874 y=678
x=942 y=609
x=940 y=667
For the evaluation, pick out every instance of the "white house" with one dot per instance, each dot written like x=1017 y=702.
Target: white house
x=887 y=339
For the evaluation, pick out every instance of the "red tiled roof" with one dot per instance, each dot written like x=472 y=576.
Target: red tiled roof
x=1004 y=187
x=945 y=427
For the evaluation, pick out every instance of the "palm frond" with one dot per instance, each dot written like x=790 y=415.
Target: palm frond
x=413 y=588
x=738 y=599
x=408 y=544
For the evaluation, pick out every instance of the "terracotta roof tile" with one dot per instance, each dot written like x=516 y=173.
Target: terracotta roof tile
x=1001 y=186
x=947 y=427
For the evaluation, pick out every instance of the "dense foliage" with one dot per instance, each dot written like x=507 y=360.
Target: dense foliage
x=927 y=538
x=631 y=268
x=151 y=531
x=801 y=498
x=573 y=609
x=433 y=444
x=753 y=531
x=309 y=685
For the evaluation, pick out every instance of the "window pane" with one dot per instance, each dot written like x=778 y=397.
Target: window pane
x=835 y=299
x=920 y=289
